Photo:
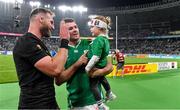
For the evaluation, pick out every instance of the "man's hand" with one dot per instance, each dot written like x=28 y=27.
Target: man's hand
x=63 y=32
x=68 y=73
x=82 y=60
x=93 y=72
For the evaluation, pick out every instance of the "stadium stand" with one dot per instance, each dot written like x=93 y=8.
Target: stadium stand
x=150 y=46
x=7 y=43
x=142 y=28
x=133 y=46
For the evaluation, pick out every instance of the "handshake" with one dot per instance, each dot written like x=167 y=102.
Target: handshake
x=63 y=31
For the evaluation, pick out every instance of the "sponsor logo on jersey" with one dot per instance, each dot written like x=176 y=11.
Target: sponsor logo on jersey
x=75 y=51
x=38 y=46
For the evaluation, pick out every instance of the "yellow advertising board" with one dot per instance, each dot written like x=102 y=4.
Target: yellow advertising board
x=135 y=69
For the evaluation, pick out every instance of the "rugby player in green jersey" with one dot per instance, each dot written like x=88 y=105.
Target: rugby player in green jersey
x=80 y=96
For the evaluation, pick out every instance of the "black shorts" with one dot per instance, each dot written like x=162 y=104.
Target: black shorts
x=41 y=105
x=52 y=105
x=120 y=65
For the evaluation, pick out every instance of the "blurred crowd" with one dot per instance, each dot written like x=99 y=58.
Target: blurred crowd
x=144 y=33
x=150 y=46
x=7 y=43
x=132 y=46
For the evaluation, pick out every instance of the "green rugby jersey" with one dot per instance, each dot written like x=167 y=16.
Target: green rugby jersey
x=99 y=47
x=78 y=85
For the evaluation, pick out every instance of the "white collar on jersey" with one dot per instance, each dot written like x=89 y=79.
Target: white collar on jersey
x=75 y=46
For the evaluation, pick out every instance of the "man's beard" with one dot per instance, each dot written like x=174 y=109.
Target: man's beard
x=74 y=39
x=45 y=31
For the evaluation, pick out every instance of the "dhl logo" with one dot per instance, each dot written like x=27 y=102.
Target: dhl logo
x=135 y=69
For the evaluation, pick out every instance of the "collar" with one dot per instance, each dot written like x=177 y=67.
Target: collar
x=75 y=46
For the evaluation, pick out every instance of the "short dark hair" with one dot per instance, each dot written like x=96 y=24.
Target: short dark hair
x=69 y=20
x=40 y=10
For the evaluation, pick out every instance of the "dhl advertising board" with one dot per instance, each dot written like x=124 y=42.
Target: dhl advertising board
x=136 y=69
x=165 y=65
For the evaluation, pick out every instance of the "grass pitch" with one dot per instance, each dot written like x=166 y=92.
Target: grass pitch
x=150 y=91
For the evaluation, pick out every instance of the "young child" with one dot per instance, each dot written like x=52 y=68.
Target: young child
x=98 y=52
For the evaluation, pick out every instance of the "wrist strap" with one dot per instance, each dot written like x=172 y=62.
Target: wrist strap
x=64 y=43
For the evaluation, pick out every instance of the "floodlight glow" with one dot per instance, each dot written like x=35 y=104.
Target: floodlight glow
x=34 y=3
x=8 y=1
x=64 y=8
x=12 y=1
x=89 y=23
x=73 y=9
x=54 y=8
x=79 y=9
x=48 y=6
x=82 y=9
x=19 y=1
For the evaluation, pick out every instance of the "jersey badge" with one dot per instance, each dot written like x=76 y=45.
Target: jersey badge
x=38 y=46
x=75 y=51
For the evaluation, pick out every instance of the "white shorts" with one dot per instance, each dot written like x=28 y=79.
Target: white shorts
x=89 y=107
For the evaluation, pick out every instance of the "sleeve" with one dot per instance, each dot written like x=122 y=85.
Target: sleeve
x=91 y=63
x=33 y=52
